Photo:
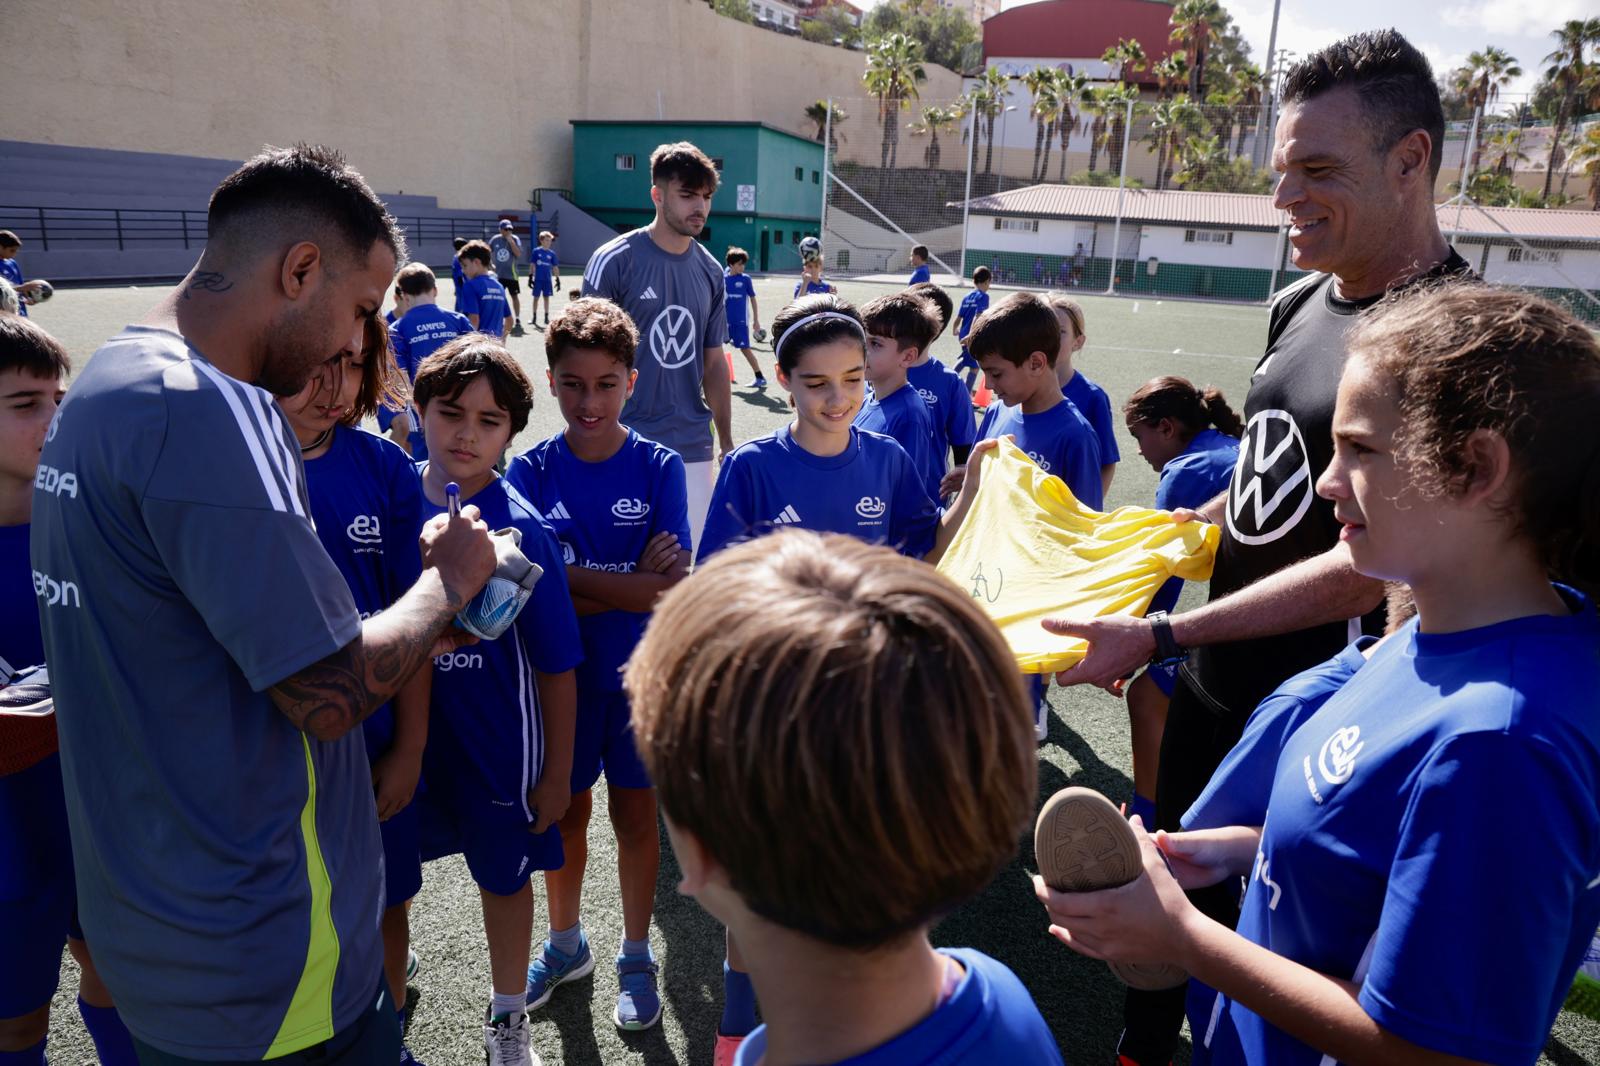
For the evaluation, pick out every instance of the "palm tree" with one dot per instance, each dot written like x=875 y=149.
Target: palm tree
x=988 y=100
x=1071 y=89
x=1117 y=98
x=1568 y=71
x=1588 y=153
x=1127 y=55
x=1039 y=81
x=1094 y=105
x=1202 y=156
x=1505 y=149
x=818 y=113
x=1173 y=72
x=1247 y=77
x=1481 y=78
x=1195 y=25
x=1051 y=105
x=933 y=120
x=1172 y=123
x=894 y=67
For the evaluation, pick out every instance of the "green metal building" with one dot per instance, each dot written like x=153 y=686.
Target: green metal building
x=770 y=196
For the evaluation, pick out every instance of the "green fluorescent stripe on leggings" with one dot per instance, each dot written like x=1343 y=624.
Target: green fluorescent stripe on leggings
x=309 y=1019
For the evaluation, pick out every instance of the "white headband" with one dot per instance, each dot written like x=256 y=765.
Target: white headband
x=794 y=327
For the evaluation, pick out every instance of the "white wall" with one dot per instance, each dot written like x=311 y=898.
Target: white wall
x=1582 y=265
x=1249 y=248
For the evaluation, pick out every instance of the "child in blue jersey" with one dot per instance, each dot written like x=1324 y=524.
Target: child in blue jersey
x=546 y=274
x=919 y=265
x=619 y=504
x=1422 y=879
x=498 y=764
x=422 y=328
x=1191 y=437
x=1090 y=399
x=811 y=283
x=973 y=305
x=366 y=504
x=825 y=826
x=38 y=900
x=955 y=429
x=820 y=471
x=900 y=327
x=458 y=280
x=742 y=311
x=483 y=299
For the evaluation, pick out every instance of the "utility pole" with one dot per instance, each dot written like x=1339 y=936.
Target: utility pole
x=1260 y=154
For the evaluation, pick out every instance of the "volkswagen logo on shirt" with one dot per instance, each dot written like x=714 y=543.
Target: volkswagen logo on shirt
x=672 y=337
x=871 y=507
x=1272 y=485
x=630 y=510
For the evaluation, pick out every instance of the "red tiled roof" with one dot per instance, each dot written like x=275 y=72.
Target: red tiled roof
x=1079 y=29
x=1248 y=211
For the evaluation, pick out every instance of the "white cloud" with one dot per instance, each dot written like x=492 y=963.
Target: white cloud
x=1514 y=18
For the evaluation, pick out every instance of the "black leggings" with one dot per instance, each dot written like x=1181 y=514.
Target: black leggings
x=1192 y=747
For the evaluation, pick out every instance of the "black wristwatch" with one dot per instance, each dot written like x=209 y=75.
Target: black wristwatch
x=1168 y=651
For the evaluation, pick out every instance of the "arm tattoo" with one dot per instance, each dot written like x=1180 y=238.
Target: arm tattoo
x=331 y=697
x=207 y=281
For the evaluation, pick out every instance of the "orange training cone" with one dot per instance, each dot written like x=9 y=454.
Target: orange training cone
x=732 y=377
x=983 y=397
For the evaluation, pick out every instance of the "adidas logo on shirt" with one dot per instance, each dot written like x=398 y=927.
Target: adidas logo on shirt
x=559 y=511
x=649 y=293
x=787 y=517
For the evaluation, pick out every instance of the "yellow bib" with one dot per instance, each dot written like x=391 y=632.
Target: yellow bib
x=1028 y=550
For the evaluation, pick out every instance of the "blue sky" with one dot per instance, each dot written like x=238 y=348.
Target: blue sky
x=1446 y=30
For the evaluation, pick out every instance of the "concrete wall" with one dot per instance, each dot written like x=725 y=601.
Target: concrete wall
x=1249 y=248
x=467 y=104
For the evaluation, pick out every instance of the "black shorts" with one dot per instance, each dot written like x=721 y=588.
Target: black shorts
x=511 y=285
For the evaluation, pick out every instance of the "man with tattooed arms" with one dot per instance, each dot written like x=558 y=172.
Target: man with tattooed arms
x=210 y=669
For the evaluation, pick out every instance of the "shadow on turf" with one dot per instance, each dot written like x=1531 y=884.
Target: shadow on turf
x=777 y=403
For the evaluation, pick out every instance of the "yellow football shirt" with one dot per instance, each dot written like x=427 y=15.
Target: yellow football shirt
x=1028 y=550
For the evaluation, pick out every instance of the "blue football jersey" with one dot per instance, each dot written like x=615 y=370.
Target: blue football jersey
x=544 y=261
x=1408 y=817
x=1192 y=479
x=485 y=297
x=920 y=274
x=973 y=304
x=869 y=490
x=21 y=643
x=811 y=288
x=1059 y=440
x=366 y=504
x=485 y=695
x=603 y=515
x=422 y=331
x=1093 y=404
x=903 y=415
x=459 y=279
x=948 y=403
x=740 y=287
x=11 y=270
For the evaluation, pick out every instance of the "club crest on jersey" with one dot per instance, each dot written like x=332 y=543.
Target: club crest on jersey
x=365 y=531
x=928 y=396
x=1336 y=761
x=1272 y=484
x=871 y=507
x=630 y=510
x=672 y=337
x=1040 y=461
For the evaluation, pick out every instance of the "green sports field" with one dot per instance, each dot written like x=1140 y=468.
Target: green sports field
x=1130 y=341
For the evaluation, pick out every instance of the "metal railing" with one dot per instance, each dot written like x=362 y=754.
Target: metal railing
x=62 y=228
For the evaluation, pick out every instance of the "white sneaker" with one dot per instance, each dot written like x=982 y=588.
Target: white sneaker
x=505 y=1040
x=1041 y=721
x=413 y=965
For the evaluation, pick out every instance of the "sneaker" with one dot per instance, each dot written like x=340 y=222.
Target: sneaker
x=516 y=329
x=505 y=1040
x=727 y=1050
x=1041 y=721
x=27 y=695
x=407 y=1058
x=413 y=965
x=1082 y=844
x=552 y=968
x=638 y=1003
x=759 y=383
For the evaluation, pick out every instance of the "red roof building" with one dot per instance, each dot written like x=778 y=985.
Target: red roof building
x=1079 y=30
x=810 y=9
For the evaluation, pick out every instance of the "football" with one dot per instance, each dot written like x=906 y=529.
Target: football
x=810 y=249
x=38 y=292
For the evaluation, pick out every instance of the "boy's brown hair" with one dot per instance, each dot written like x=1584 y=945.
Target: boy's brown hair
x=9 y=239
x=1015 y=328
x=843 y=730
x=592 y=322
x=383 y=383
x=446 y=373
x=904 y=317
x=477 y=251
x=25 y=346
x=686 y=163
x=416 y=279
x=736 y=255
x=1465 y=357
x=938 y=298
x=546 y=235
x=982 y=276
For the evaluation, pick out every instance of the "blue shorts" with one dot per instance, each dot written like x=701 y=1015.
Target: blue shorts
x=37 y=895
x=738 y=334
x=541 y=286
x=1165 y=678
x=966 y=360
x=604 y=741
x=458 y=815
